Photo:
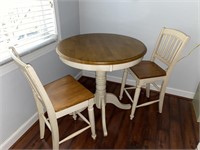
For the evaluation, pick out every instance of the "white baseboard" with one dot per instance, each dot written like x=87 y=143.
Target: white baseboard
x=18 y=133
x=169 y=90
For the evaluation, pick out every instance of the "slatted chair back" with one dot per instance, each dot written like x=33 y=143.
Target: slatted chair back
x=168 y=48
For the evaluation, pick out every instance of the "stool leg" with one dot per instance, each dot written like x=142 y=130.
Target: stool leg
x=162 y=95
x=135 y=101
x=91 y=118
x=125 y=74
x=148 y=90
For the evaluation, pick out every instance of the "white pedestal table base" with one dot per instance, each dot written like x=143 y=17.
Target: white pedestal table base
x=101 y=98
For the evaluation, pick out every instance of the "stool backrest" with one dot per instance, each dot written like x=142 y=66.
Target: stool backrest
x=42 y=100
x=168 y=48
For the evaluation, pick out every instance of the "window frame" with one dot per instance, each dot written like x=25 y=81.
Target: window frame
x=37 y=50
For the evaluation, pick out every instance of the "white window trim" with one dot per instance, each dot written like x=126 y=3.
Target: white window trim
x=10 y=66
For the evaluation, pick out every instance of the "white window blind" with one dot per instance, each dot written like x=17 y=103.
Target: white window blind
x=27 y=25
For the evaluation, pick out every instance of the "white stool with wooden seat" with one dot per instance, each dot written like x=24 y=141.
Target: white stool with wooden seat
x=59 y=98
x=168 y=48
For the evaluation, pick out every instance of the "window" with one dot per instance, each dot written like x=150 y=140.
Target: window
x=26 y=25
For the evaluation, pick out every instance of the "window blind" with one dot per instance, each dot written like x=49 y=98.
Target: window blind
x=26 y=25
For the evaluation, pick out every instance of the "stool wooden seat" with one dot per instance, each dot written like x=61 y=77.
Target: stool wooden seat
x=147 y=69
x=70 y=93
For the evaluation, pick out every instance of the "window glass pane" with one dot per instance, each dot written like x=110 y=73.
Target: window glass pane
x=27 y=25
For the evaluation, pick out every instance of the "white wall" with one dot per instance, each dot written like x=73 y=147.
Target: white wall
x=143 y=19
x=17 y=105
x=69 y=17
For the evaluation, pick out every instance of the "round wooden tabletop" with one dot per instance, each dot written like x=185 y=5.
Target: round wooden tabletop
x=101 y=49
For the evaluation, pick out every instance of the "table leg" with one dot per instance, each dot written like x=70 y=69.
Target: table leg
x=100 y=88
x=101 y=98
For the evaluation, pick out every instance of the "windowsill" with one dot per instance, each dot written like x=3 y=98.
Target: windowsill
x=10 y=66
